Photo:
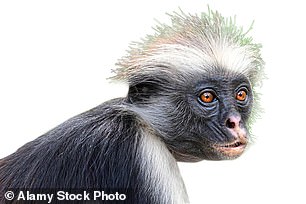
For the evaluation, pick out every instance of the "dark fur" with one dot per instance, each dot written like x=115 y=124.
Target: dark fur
x=96 y=149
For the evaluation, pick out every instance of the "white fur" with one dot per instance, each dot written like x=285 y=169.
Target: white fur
x=193 y=44
x=161 y=171
x=188 y=59
x=232 y=57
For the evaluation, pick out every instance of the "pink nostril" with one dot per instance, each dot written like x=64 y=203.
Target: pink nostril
x=232 y=122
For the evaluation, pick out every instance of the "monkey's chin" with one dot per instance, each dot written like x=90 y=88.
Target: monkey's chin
x=231 y=150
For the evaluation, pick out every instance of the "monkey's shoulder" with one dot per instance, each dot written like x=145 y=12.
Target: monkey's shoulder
x=111 y=117
x=100 y=143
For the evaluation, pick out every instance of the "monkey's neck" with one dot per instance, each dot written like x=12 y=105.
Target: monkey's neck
x=161 y=170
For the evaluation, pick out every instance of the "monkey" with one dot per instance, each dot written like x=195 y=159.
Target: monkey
x=192 y=96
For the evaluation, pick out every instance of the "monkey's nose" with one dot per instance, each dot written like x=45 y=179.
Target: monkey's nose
x=233 y=121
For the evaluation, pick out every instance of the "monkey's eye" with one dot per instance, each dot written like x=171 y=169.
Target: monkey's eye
x=207 y=97
x=241 y=95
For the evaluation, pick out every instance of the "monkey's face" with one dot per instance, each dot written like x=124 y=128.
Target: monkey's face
x=204 y=117
x=210 y=121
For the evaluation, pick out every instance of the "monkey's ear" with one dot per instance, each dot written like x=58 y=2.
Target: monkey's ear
x=143 y=92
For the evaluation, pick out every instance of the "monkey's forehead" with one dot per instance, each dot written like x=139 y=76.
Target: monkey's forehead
x=184 y=58
x=177 y=60
x=193 y=44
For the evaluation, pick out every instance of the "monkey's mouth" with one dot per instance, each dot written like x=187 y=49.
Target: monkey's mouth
x=233 y=149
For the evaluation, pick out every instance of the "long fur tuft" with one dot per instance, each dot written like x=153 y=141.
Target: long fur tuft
x=194 y=42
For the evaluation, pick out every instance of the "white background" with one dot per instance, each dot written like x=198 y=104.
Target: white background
x=55 y=57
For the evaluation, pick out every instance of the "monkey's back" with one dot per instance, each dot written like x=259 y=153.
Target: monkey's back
x=96 y=149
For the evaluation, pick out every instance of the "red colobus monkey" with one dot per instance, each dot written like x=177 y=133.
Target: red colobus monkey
x=191 y=97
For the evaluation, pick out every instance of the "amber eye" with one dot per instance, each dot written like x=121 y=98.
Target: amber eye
x=207 y=97
x=241 y=95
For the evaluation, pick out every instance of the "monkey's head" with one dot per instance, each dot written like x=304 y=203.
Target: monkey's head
x=194 y=83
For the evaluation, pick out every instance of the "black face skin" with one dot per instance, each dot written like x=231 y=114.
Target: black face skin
x=194 y=130
x=209 y=125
